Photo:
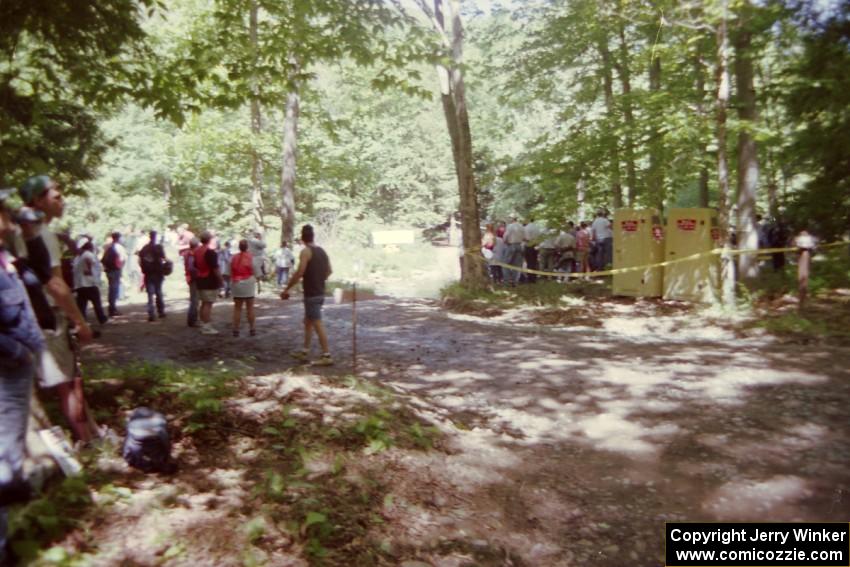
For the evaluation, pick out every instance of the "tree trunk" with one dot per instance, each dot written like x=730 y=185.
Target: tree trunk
x=256 y=129
x=748 y=166
x=655 y=171
x=722 y=102
x=287 y=177
x=610 y=107
x=699 y=72
x=581 y=193
x=628 y=115
x=457 y=119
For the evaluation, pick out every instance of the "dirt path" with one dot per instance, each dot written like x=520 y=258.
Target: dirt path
x=571 y=446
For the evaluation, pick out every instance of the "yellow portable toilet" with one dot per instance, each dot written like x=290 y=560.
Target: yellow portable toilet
x=689 y=232
x=638 y=241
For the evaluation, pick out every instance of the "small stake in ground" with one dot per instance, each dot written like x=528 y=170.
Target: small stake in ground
x=805 y=243
x=354 y=328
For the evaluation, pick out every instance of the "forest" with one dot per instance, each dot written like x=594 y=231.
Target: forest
x=445 y=423
x=248 y=113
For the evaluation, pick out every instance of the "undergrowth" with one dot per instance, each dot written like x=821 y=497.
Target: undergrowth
x=491 y=300
x=331 y=509
x=334 y=508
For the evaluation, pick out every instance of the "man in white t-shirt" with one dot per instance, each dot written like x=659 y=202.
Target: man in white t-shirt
x=87 y=280
x=56 y=367
x=283 y=261
x=514 y=235
x=603 y=239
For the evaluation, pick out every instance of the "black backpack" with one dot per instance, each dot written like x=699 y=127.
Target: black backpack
x=110 y=259
x=147 y=446
x=150 y=259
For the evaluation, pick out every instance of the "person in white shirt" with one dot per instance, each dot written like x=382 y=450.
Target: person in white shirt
x=565 y=250
x=87 y=281
x=283 y=261
x=547 y=250
x=514 y=235
x=603 y=239
x=257 y=248
x=532 y=232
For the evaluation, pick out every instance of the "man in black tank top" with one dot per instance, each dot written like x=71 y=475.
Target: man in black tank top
x=315 y=268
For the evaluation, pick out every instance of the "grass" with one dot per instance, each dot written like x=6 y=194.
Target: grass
x=331 y=511
x=493 y=300
x=355 y=262
x=830 y=271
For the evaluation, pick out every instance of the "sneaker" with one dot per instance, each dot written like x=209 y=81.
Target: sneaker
x=324 y=360
x=253 y=332
x=208 y=330
x=235 y=332
x=299 y=354
x=151 y=318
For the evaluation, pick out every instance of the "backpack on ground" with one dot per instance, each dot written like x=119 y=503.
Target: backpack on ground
x=147 y=446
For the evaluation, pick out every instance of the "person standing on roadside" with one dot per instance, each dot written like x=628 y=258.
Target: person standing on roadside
x=225 y=257
x=514 y=235
x=113 y=260
x=87 y=281
x=582 y=248
x=184 y=239
x=257 y=248
x=283 y=261
x=192 y=281
x=603 y=237
x=21 y=344
x=531 y=239
x=208 y=281
x=314 y=267
x=57 y=364
x=151 y=259
x=244 y=275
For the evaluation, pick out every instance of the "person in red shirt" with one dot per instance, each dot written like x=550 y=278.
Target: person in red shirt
x=208 y=281
x=582 y=248
x=243 y=283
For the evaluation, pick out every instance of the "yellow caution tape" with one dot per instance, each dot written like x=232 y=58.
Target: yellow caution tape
x=715 y=251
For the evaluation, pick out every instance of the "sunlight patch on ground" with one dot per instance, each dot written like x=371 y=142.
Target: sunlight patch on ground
x=730 y=382
x=481 y=454
x=665 y=329
x=615 y=433
x=457 y=378
x=532 y=426
x=755 y=500
x=283 y=385
x=543 y=362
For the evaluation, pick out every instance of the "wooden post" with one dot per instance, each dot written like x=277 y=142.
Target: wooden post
x=354 y=328
x=803 y=270
x=806 y=244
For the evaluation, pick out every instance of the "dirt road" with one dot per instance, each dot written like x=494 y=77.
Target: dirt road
x=571 y=445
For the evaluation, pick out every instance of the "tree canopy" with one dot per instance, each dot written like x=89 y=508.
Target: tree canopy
x=159 y=109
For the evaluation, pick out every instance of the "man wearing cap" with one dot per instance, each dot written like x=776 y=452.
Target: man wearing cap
x=20 y=343
x=57 y=362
